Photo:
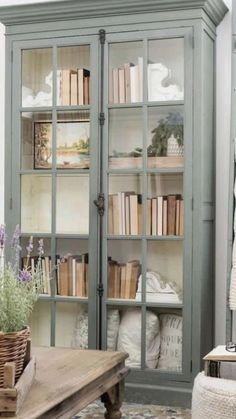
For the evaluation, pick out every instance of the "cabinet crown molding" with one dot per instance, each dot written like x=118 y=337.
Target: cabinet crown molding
x=78 y=9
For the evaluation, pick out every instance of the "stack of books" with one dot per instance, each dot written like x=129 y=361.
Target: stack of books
x=72 y=275
x=123 y=279
x=220 y=363
x=75 y=87
x=125 y=213
x=165 y=215
x=126 y=83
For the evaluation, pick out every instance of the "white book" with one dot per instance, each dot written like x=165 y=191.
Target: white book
x=121 y=85
x=140 y=78
x=159 y=215
x=134 y=84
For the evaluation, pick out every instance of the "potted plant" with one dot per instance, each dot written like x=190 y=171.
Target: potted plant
x=168 y=128
x=19 y=290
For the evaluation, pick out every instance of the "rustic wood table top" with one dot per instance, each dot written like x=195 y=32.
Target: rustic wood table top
x=67 y=380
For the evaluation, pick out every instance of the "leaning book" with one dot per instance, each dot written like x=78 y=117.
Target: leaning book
x=220 y=363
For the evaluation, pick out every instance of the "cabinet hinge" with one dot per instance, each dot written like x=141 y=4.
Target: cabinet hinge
x=102 y=36
x=11 y=203
x=100 y=203
x=100 y=290
x=101 y=118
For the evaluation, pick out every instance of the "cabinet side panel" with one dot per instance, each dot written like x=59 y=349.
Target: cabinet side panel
x=207 y=201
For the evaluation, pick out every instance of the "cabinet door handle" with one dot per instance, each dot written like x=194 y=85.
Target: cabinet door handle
x=100 y=203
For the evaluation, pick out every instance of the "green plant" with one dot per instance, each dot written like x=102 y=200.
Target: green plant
x=19 y=288
x=171 y=124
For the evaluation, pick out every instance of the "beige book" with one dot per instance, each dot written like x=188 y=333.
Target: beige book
x=73 y=88
x=48 y=272
x=80 y=291
x=164 y=227
x=117 y=272
x=133 y=214
x=63 y=272
x=154 y=216
x=177 y=216
x=159 y=215
x=80 y=86
x=122 y=279
x=87 y=90
x=110 y=215
x=134 y=279
x=121 y=74
x=115 y=82
x=127 y=215
x=74 y=284
x=111 y=275
x=65 y=87
x=149 y=217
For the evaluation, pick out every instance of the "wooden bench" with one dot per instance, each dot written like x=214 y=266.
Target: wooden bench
x=67 y=380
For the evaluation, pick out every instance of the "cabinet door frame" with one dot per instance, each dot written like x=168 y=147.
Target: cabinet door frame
x=13 y=184
x=144 y=36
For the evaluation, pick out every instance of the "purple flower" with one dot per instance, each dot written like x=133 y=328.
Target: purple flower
x=2 y=235
x=24 y=276
x=30 y=246
x=15 y=238
x=40 y=248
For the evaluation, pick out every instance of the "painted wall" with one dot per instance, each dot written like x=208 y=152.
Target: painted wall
x=223 y=82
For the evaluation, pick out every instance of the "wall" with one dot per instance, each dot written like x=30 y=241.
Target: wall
x=223 y=82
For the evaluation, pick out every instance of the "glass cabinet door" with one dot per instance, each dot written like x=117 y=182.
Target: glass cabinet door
x=145 y=183
x=57 y=101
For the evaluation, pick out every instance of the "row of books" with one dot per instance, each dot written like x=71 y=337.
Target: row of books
x=165 y=214
x=123 y=279
x=71 y=274
x=126 y=83
x=75 y=87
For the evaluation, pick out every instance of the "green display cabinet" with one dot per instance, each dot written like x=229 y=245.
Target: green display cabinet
x=110 y=159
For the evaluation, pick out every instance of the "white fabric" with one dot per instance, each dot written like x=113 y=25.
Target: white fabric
x=213 y=398
x=80 y=335
x=129 y=338
x=158 y=290
x=113 y=323
x=171 y=343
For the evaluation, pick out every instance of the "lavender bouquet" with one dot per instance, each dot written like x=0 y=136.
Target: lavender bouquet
x=19 y=288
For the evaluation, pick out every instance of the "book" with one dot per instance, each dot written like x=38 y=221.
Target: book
x=122 y=279
x=63 y=273
x=181 y=217
x=87 y=89
x=134 y=84
x=65 y=87
x=164 y=225
x=171 y=211
x=220 y=363
x=115 y=85
x=149 y=217
x=82 y=73
x=133 y=214
x=127 y=82
x=159 y=215
x=154 y=216
x=177 y=215
x=121 y=75
x=73 y=88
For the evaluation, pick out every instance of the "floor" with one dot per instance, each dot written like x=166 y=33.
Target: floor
x=136 y=411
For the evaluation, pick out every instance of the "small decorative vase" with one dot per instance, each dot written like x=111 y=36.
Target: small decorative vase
x=173 y=148
x=13 y=349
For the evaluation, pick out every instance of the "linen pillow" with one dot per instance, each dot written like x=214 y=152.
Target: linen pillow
x=171 y=343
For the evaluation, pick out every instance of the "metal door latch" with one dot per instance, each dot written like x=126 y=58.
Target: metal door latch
x=100 y=203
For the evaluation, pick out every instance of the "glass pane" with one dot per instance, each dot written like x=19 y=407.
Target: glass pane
x=166 y=69
x=73 y=75
x=39 y=323
x=123 y=269
x=165 y=137
x=37 y=77
x=36 y=204
x=125 y=72
x=164 y=276
x=71 y=325
x=165 y=205
x=125 y=204
x=36 y=140
x=164 y=340
x=46 y=264
x=72 y=204
x=72 y=268
x=124 y=333
x=73 y=135
x=125 y=138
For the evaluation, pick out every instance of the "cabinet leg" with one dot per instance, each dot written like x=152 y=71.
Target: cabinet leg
x=112 y=401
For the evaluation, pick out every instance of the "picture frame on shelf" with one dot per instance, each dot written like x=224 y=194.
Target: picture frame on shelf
x=72 y=151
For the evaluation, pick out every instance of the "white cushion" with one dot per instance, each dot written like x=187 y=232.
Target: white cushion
x=171 y=343
x=213 y=398
x=113 y=323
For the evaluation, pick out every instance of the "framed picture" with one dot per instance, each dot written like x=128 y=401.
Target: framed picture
x=72 y=149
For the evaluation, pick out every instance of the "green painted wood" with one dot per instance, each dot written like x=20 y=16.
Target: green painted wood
x=71 y=9
x=30 y=26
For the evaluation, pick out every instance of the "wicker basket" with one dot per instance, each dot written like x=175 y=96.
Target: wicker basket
x=12 y=349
